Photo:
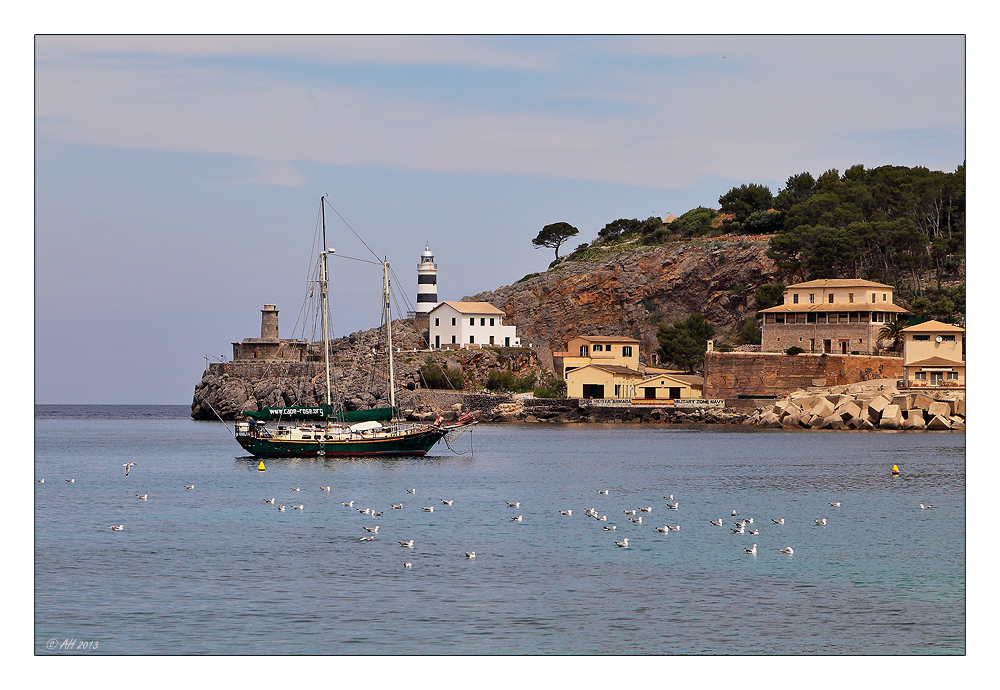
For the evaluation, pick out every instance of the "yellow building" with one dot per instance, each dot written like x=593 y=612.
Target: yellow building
x=669 y=387
x=585 y=350
x=932 y=356
x=834 y=316
x=602 y=381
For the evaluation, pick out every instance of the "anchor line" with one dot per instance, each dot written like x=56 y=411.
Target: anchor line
x=457 y=434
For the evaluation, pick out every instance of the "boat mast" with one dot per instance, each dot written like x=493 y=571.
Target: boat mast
x=324 y=300
x=388 y=331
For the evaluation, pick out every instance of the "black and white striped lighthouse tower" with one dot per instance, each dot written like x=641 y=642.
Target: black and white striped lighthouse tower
x=427 y=297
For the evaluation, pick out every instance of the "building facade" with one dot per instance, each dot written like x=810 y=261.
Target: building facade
x=597 y=349
x=269 y=346
x=932 y=356
x=452 y=325
x=832 y=316
x=603 y=381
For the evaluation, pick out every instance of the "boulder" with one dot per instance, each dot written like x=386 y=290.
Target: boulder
x=914 y=420
x=902 y=402
x=922 y=401
x=823 y=408
x=958 y=406
x=957 y=422
x=866 y=425
x=938 y=423
x=878 y=403
x=833 y=422
x=848 y=410
x=939 y=409
x=891 y=418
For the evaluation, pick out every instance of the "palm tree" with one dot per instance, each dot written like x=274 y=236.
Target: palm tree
x=893 y=330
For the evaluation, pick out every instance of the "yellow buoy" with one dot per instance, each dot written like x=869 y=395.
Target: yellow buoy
x=260 y=467
x=895 y=470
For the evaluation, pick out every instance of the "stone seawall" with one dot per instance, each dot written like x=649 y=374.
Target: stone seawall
x=729 y=375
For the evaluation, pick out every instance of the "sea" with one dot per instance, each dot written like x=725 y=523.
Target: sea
x=205 y=566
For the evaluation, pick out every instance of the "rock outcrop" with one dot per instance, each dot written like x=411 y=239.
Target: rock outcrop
x=628 y=293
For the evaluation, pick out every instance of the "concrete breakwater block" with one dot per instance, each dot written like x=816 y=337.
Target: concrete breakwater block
x=891 y=418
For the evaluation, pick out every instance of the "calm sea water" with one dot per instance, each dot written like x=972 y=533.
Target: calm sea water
x=216 y=570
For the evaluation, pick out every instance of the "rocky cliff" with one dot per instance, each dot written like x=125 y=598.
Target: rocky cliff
x=630 y=292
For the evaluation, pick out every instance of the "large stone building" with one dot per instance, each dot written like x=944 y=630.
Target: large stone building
x=597 y=349
x=932 y=356
x=269 y=346
x=832 y=316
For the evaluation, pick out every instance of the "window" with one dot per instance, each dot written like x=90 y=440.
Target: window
x=437 y=321
x=609 y=348
x=453 y=337
x=482 y=322
x=584 y=351
x=795 y=298
x=953 y=374
x=920 y=375
x=873 y=298
x=598 y=347
x=491 y=322
x=812 y=298
x=921 y=338
x=810 y=318
x=779 y=318
x=850 y=297
x=883 y=297
x=472 y=321
x=453 y=322
x=830 y=298
x=472 y=339
x=626 y=350
x=947 y=338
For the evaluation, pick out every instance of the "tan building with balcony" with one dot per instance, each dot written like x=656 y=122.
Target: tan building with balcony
x=609 y=350
x=932 y=356
x=832 y=316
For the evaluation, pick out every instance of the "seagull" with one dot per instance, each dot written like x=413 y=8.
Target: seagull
x=378 y=514
x=778 y=522
x=738 y=530
x=189 y=486
x=675 y=528
x=70 y=480
x=298 y=507
x=268 y=500
x=447 y=503
x=821 y=521
x=429 y=509
x=663 y=529
x=40 y=481
x=922 y=506
x=603 y=492
x=349 y=504
x=603 y=518
x=565 y=512
x=470 y=554
x=519 y=518
x=734 y=512
x=717 y=523
x=116 y=528
x=397 y=506
x=408 y=543
x=787 y=549
x=372 y=529
x=637 y=520
x=610 y=528
x=752 y=550
x=324 y=488
x=629 y=512
x=836 y=505
x=407 y=564
x=411 y=491
x=623 y=544
x=750 y=521
x=295 y=489
x=281 y=509
x=128 y=466
x=741 y=523
x=670 y=497
x=142 y=497
x=754 y=532
x=646 y=510
x=514 y=505
x=364 y=511
x=674 y=506
x=368 y=538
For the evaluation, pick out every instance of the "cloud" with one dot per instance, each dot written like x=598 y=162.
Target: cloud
x=642 y=111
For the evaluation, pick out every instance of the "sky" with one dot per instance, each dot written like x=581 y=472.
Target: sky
x=177 y=178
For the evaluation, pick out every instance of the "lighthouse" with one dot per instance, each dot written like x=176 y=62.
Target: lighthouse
x=427 y=297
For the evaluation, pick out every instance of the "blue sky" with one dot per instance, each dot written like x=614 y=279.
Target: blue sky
x=177 y=178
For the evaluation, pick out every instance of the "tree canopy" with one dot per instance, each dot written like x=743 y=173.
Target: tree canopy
x=684 y=343
x=553 y=235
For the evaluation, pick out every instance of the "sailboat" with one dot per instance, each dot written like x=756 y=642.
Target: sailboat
x=322 y=430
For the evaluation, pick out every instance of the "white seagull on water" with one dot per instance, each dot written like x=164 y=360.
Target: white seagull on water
x=603 y=492
x=268 y=500
x=372 y=529
x=368 y=538
x=189 y=486
x=629 y=512
x=407 y=564
x=922 y=506
x=623 y=544
x=428 y=509
x=514 y=505
x=787 y=549
x=411 y=491
x=324 y=488
x=397 y=506
x=281 y=509
x=821 y=521
x=675 y=528
x=663 y=529
x=349 y=504
x=116 y=528
x=142 y=497
x=470 y=554
x=128 y=466
x=447 y=503
x=836 y=505
x=674 y=506
x=610 y=528
x=71 y=481
x=298 y=507
x=646 y=510
x=637 y=520
x=778 y=522
x=752 y=550
x=518 y=518
x=717 y=523
x=408 y=543
x=40 y=481
x=565 y=512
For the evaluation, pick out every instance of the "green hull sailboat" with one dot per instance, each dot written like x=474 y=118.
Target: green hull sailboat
x=322 y=431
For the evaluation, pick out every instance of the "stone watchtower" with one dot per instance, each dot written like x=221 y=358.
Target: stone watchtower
x=269 y=346
x=269 y=322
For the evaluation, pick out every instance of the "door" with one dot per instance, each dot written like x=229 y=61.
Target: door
x=843 y=347
x=491 y=340
x=437 y=341
x=650 y=392
x=675 y=393
x=828 y=346
x=593 y=390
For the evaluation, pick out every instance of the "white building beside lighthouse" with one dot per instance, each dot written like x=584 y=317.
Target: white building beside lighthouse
x=427 y=297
